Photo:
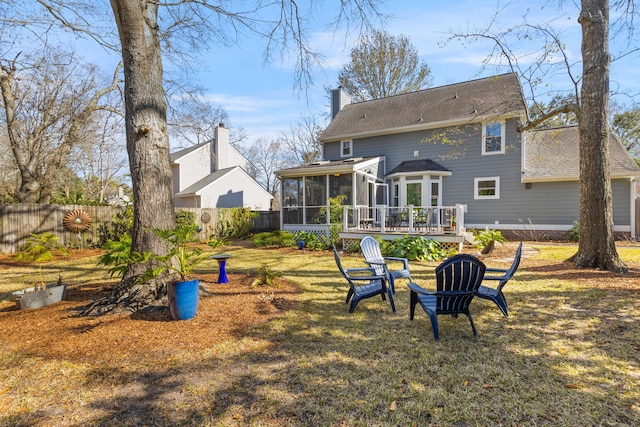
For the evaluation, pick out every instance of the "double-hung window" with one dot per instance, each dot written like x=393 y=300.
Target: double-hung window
x=493 y=138
x=486 y=188
x=346 y=148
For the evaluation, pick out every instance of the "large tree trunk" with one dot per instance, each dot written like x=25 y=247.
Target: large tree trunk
x=597 y=246
x=147 y=146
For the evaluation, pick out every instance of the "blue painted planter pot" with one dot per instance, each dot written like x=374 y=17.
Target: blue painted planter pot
x=183 y=299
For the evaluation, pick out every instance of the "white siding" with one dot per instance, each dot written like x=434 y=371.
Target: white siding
x=235 y=189
x=193 y=167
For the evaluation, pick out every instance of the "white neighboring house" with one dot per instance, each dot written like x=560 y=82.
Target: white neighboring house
x=213 y=175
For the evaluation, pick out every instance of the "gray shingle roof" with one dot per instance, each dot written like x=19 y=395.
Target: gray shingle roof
x=472 y=101
x=554 y=154
x=418 y=166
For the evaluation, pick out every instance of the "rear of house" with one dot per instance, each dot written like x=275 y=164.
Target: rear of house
x=455 y=146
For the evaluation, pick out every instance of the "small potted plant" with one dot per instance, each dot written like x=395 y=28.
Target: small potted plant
x=41 y=248
x=181 y=260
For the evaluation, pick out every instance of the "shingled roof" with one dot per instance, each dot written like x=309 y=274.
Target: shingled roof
x=553 y=154
x=324 y=166
x=469 y=101
x=418 y=166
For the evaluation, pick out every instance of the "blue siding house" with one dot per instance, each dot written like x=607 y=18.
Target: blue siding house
x=443 y=160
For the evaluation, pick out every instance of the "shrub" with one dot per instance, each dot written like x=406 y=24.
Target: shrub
x=484 y=238
x=312 y=241
x=283 y=239
x=214 y=243
x=233 y=223
x=336 y=209
x=40 y=248
x=185 y=218
x=414 y=248
x=266 y=276
x=119 y=256
x=574 y=233
x=120 y=227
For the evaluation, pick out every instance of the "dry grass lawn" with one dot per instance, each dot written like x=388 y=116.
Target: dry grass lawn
x=568 y=354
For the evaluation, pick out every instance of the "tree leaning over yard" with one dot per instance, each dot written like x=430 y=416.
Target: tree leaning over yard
x=383 y=65
x=589 y=102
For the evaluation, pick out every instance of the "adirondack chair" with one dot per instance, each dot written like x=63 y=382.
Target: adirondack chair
x=457 y=281
x=364 y=286
x=502 y=276
x=373 y=256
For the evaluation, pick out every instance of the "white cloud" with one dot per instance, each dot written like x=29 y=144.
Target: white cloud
x=244 y=104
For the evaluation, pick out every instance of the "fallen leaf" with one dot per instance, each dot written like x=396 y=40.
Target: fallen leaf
x=393 y=406
x=358 y=401
x=569 y=385
x=488 y=386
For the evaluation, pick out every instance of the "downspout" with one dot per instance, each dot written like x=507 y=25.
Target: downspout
x=281 y=204
x=633 y=209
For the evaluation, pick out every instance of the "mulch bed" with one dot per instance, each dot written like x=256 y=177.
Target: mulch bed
x=224 y=311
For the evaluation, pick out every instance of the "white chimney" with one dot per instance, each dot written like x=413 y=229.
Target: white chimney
x=221 y=149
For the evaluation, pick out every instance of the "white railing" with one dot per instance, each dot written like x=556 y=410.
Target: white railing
x=406 y=219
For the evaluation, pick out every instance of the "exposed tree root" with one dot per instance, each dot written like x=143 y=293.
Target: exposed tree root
x=129 y=296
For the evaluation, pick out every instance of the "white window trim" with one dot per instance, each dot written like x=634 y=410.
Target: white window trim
x=477 y=196
x=350 y=153
x=502 y=137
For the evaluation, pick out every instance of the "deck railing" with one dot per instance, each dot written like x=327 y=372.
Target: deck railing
x=406 y=219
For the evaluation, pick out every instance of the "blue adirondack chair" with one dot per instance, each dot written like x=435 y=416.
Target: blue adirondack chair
x=457 y=281
x=364 y=286
x=502 y=276
x=373 y=256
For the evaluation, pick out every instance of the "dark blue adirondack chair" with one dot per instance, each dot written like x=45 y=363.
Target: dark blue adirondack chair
x=373 y=256
x=364 y=286
x=502 y=276
x=457 y=281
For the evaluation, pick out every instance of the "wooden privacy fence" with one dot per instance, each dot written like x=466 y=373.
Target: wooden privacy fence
x=18 y=221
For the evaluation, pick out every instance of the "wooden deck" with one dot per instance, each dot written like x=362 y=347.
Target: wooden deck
x=448 y=239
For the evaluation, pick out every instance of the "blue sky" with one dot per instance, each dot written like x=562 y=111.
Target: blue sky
x=261 y=98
